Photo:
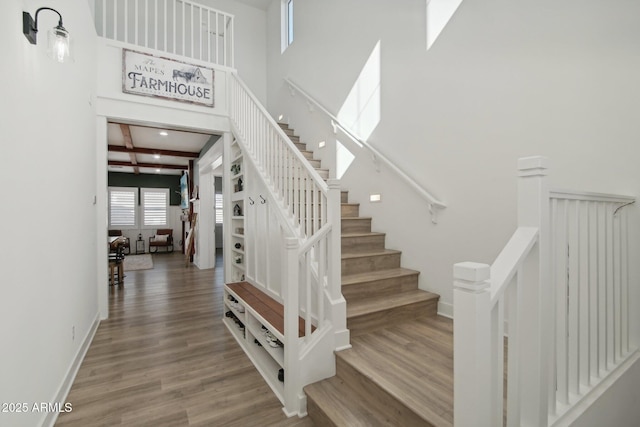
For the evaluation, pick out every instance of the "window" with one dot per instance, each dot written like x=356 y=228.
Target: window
x=219 y=206
x=439 y=12
x=155 y=205
x=287 y=23
x=122 y=207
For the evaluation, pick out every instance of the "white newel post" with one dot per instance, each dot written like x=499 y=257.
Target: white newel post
x=537 y=296
x=290 y=296
x=334 y=218
x=471 y=345
x=334 y=275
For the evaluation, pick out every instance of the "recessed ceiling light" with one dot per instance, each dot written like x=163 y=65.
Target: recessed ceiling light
x=156 y=156
x=157 y=170
x=164 y=133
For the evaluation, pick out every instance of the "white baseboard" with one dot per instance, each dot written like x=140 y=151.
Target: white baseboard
x=342 y=340
x=65 y=387
x=445 y=309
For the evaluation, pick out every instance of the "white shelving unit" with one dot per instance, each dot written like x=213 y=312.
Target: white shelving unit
x=236 y=212
x=268 y=360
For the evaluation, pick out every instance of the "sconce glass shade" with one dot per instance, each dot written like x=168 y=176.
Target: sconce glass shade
x=58 y=47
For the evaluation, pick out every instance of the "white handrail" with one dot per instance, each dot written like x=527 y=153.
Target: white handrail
x=506 y=265
x=434 y=203
x=589 y=196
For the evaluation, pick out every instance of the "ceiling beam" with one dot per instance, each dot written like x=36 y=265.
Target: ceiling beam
x=126 y=133
x=138 y=150
x=128 y=142
x=146 y=165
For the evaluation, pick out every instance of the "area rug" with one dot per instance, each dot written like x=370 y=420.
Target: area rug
x=138 y=262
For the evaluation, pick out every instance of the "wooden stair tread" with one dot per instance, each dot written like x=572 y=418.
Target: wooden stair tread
x=363 y=234
x=385 y=251
x=366 y=306
x=344 y=409
x=271 y=310
x=371 y=276
x=413 y=362
x=353 y=218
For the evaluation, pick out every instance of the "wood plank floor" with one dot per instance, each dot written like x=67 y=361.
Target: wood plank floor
x=164 y=358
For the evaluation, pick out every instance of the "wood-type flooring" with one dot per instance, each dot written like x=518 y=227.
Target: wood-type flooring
x=164 y=358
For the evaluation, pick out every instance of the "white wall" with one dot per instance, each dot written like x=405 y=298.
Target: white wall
x=250 y=31
x=504 y=80
x=115 y=104
x=47 y=167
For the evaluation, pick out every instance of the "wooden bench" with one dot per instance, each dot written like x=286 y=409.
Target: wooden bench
x=270 y=310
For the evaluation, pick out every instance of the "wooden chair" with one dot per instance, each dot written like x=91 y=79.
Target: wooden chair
x=162 y=239
x=116 y=265
x=126 y=244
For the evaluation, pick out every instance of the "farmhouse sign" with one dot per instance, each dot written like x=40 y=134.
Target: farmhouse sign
x=148 y=75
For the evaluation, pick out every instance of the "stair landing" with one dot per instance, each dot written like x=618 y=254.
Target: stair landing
x=398 y=375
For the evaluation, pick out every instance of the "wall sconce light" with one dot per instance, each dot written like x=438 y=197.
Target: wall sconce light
x=58 y=45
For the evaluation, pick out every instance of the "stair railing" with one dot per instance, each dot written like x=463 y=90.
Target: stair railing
x=180 y=27
x=310 y=209
x=559 y=288
x=434 y=204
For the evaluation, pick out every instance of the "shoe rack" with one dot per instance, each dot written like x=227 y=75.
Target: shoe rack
x=262 y=342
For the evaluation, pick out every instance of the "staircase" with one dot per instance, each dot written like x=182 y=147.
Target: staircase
x=399 y=370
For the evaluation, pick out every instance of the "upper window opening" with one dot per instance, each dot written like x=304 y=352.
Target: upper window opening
x=287 y=24
x=439 y=12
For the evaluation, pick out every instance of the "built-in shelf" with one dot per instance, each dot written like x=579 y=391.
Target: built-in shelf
x=268 y=360
x=236 y=211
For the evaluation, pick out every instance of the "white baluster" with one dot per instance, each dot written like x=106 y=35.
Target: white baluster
x=175 y=29
x=115 y=20
x=610 y=310
x=231 y=45
x=126 y=21
x=322 y=277
x=216 y=39
x=193 y=29
x=156 y=22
